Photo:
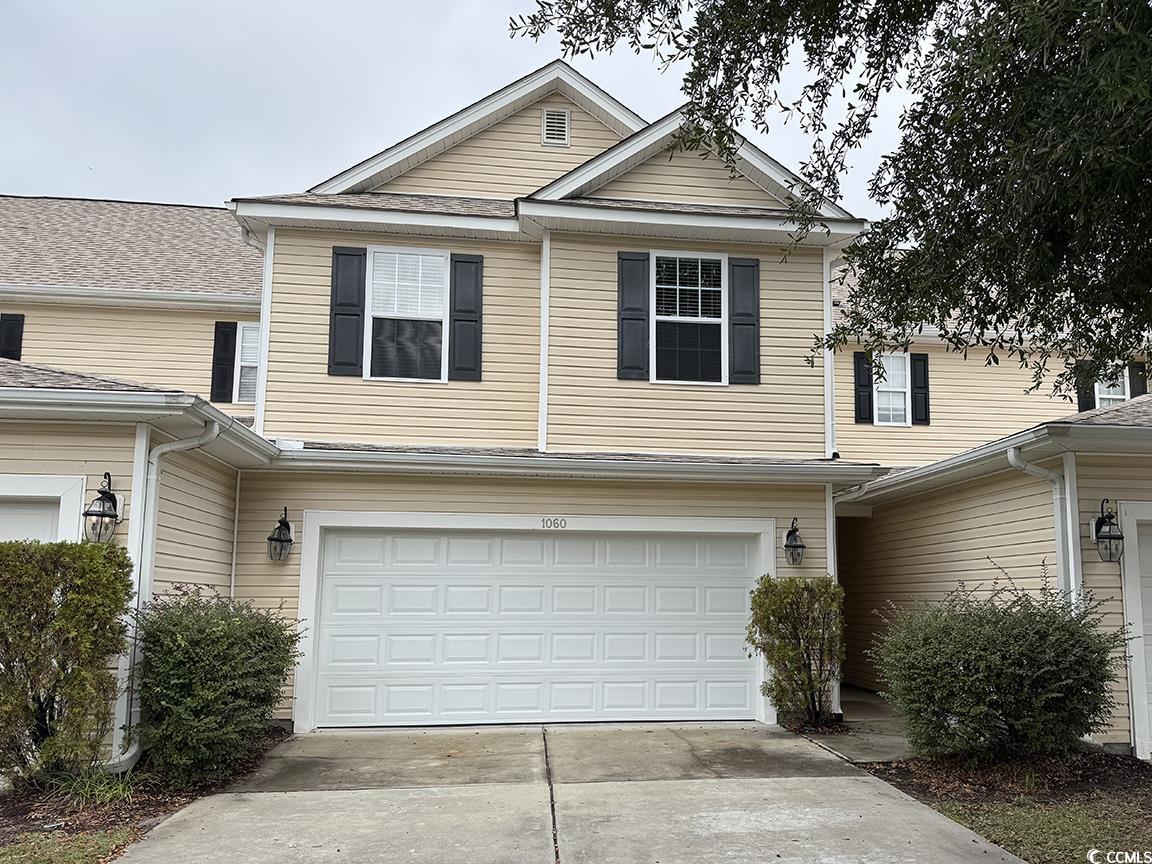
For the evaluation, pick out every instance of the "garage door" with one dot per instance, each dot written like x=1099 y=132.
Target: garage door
x=29 y=519
x=471 y=627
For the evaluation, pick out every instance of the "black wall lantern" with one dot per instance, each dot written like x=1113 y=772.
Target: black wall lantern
x=793 y=546
x=103 y=514
x=1109 y=537
x=280 y=540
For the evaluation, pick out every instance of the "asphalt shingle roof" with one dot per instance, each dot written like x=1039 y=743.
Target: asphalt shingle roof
x=453 y=205
x=14 y=374
x=82 y=243
x=1133 y=412
x=677 y=207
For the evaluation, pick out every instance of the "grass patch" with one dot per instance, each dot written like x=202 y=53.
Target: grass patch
x=1057 y=833
x=62 y=848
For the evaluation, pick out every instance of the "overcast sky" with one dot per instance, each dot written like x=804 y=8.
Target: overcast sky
x=197 y=102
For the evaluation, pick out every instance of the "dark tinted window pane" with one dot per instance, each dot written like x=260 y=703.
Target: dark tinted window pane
x=687 y=352
x=405 y=349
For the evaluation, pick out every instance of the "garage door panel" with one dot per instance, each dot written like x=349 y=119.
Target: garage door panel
x=473 y=627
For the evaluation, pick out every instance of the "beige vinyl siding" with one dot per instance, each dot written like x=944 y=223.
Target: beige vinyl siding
x=590 y=409
x=971 y=404
x=73 y=449
x=195 y=521
x=263 y=494
x=680 y=175
x=164 y=348
x=303 y=401
x=1120 y=479
x=922 y=547
x=507 y=160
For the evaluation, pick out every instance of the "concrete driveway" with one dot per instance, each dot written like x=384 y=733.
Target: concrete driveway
x=630 y=794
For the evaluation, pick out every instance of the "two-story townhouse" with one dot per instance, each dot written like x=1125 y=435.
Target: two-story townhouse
x=533 y=399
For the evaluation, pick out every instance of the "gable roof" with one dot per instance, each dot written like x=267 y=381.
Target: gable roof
x=655 y=138
x=78 y=248
x=403 y=202
x=555 y=77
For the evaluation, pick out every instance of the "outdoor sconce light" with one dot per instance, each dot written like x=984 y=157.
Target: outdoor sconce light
x=280 y=540
x=1109 y=537
x=793 y=546
x=103 y=514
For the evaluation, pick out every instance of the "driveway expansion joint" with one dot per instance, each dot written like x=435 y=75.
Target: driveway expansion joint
x=551 y=793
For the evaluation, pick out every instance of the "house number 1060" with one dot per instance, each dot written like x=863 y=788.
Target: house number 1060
x=552 y=522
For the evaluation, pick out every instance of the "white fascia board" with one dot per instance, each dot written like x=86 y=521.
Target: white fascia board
x=839 y=230
x=478 y=113
x=89 y=296
x=398 y=218
x=554 y=466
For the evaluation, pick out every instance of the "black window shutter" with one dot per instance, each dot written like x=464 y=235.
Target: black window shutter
x=1085 y=392
x=465 y=316
x=921 y=412
x=223 y=361
x=1137 y=379
x=346 y=311
x=743 y=321
x=862 y=373
x=632 y=315
x=11 y=336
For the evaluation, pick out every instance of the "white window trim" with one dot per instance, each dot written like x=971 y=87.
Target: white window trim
x=66 y=489
x=366 y=356
x=561 y=109
x=240 y=328
x=1122 y=381
x=876 y=421
x=722 y=257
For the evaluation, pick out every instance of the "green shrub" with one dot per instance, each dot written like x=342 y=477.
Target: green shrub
x=62 y=622
x=796 y=625
x=211 y=673
x=1003 y=673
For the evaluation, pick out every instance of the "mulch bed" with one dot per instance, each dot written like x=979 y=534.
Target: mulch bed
x=1052 y=780
x=30 y=810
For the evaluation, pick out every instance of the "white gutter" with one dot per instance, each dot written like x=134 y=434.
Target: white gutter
x=1059 y=504
x=546 y=465
x=147 y=562
x=84 y=295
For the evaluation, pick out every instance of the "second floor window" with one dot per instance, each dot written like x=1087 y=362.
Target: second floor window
x=247 y=362
x=689 y=339
x=408 y=301
x=893 y=395
x=1111 y=392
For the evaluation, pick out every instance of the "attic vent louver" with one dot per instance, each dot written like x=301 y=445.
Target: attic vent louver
x=554 y=127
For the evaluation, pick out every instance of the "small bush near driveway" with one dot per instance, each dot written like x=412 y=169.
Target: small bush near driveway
x=211 y=674
x=62 y=623
x=796 y=626
x=1004 y=673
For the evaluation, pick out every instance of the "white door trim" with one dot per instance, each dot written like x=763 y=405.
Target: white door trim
x=1131 y=514
x=67 y=489
x=316 y=521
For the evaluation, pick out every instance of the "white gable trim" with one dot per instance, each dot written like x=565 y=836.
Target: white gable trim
x=557 y=76
x=757 y=165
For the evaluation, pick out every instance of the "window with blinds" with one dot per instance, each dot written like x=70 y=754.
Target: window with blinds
x=247 y=362
x=689 y=307
x=408 y=299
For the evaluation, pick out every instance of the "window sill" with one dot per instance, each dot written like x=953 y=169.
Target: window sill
x=690 y=383
x=407 y=380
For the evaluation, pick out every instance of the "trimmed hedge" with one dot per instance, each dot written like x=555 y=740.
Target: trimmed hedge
x=62 y=623
x=1000 y=674
x=797 y=626
x=211 y=673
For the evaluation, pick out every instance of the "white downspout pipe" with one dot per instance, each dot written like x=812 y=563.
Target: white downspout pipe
x=1059 y=503
x=124 y=761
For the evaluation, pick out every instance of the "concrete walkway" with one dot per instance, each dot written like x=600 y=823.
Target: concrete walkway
x=630 y=794
x=874 y=732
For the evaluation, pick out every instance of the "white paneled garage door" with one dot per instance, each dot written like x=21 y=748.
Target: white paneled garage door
x=499 y=627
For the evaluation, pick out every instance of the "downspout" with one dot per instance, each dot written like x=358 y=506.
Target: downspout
x=1060 y=505
x=212 y=431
